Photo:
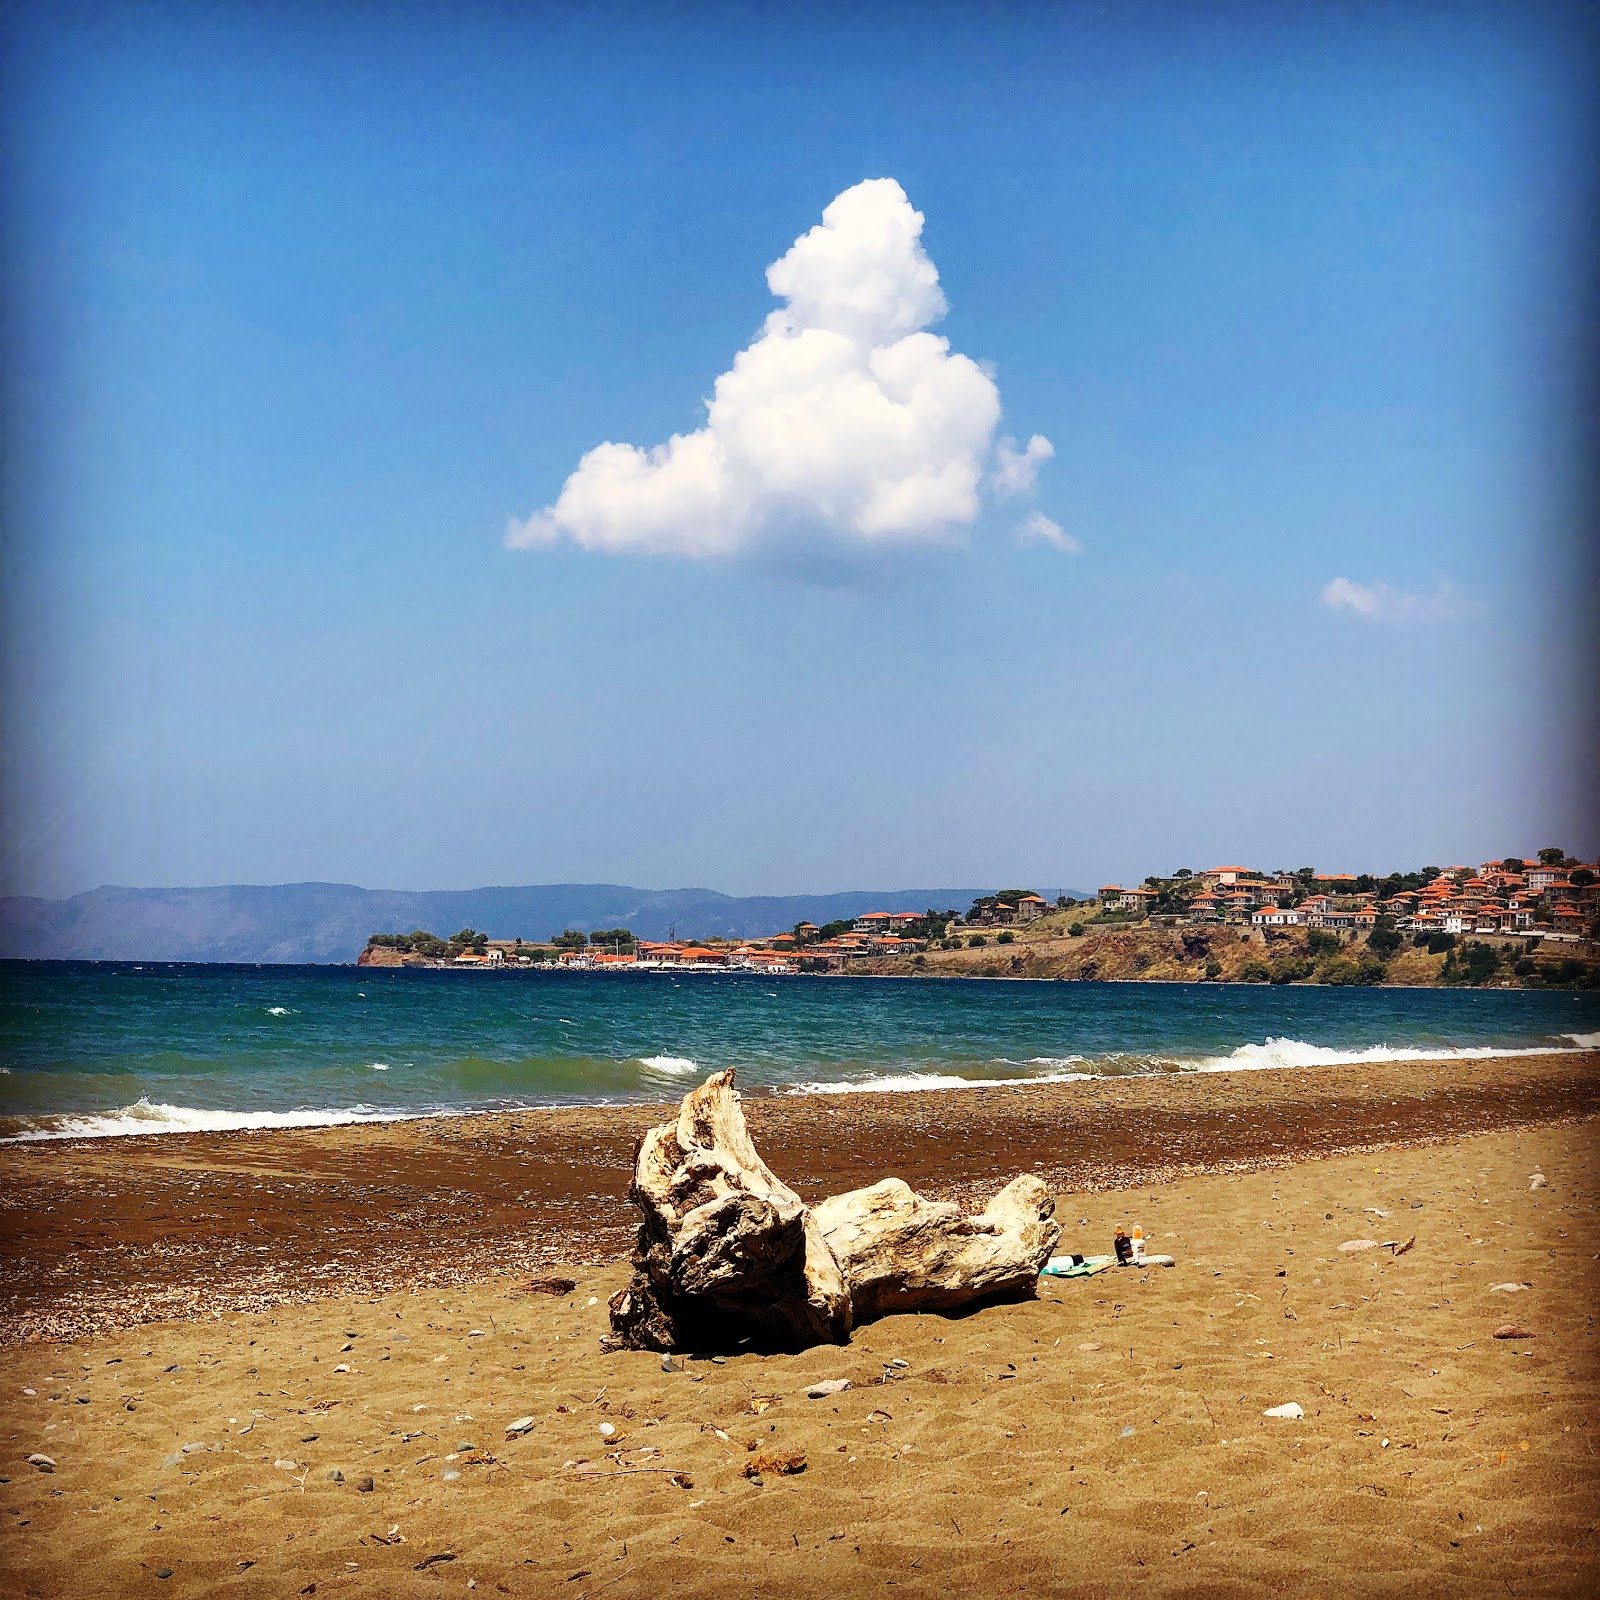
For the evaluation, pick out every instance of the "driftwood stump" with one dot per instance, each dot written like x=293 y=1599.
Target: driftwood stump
x=727 y=1250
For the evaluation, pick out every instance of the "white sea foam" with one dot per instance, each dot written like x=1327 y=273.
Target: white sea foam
x=380 y=1066
x=1280 y=1053
x=279 y=1011
x=673 y=1066
x=917 y=1082
x=144 y=1116
x=1275 y=1053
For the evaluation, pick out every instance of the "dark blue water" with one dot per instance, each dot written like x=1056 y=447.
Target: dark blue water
x=118 y=1047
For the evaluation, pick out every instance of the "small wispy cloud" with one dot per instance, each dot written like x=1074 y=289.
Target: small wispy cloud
x=1014 y=469
x=1381 y=602
x=1037 y=528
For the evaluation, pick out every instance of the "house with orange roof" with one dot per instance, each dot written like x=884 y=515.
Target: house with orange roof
x=1213 y=877
x=1277 y=917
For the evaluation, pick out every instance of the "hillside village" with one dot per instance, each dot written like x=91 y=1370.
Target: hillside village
x=1518 y=920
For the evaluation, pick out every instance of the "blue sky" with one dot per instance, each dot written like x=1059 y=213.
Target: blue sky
x=307 y=309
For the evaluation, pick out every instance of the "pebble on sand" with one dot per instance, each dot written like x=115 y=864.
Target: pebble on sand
x=43 y=1462
x=521 y=1425
x=1350 y=1246
x=1291 y=1409
x=821 y=1391
x=1509 y=1330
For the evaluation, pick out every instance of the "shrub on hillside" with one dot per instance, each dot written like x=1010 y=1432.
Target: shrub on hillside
x=1076 y=930
x=1213 y=969
x=1008 y=937
x=1320 y=942
x=1286 y=969
x=1345 y=970
x=976 y=942
x=1255 y=972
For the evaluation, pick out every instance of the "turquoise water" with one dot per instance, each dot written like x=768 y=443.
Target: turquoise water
x=102 y=1048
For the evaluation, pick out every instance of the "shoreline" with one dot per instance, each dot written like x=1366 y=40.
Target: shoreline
x=1176 y=1068
x=105 y=1233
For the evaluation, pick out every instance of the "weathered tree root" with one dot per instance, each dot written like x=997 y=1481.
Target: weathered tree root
x=728 y=1251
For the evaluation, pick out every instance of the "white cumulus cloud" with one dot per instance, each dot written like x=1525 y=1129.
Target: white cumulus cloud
x=1037 y=528
x=1379 y=602
x=846 y=417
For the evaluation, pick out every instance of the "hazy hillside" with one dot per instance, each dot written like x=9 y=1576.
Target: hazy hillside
x=331 y=921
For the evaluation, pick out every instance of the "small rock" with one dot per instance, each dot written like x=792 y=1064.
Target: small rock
x=669 y=1365
x=521 y=1425
x=189 y=1449
x=1508 y=1288
x=163 y=1572
x=308 y=1438
x=344 y=1366
x=821 y=1391
x=364 y=1485
x=1350 y=1246
x=1509 y=1330
x=287 y=1466
x=755 y=1479
x=335 y=1475
x=607 y=1430
x=1292 y=1409
x=1127 y=1433
x=43 y=1462
x=897 y=1362
x=450 y=1474
x=719 y=1361
x=1538 y=1181
x=1088 y=1349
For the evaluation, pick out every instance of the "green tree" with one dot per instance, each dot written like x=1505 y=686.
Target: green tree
x=1075 y=931
x=1213 y=969
x=1512 y=864
x=1582 y=878
x=569 y=939
x=1255 y=972
x=1552 y=857
x=1383 y=941
x=976 y=942
x=1322 y=942
x=1006 y=937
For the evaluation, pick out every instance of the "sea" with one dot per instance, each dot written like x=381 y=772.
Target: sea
x=100 y=1049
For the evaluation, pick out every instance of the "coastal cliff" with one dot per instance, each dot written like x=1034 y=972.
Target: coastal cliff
x=1226 y=954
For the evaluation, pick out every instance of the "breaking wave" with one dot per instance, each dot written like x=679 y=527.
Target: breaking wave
x=1584 y=1041
x=673 y=1066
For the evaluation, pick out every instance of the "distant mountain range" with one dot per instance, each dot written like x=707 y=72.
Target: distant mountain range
x=330 y=922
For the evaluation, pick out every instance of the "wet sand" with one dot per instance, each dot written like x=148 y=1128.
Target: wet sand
x=1105 y=1439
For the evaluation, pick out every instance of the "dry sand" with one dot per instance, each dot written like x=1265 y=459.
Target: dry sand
x=1105 y=1439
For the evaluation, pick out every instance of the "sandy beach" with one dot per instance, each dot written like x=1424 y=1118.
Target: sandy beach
x=283 y=1364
